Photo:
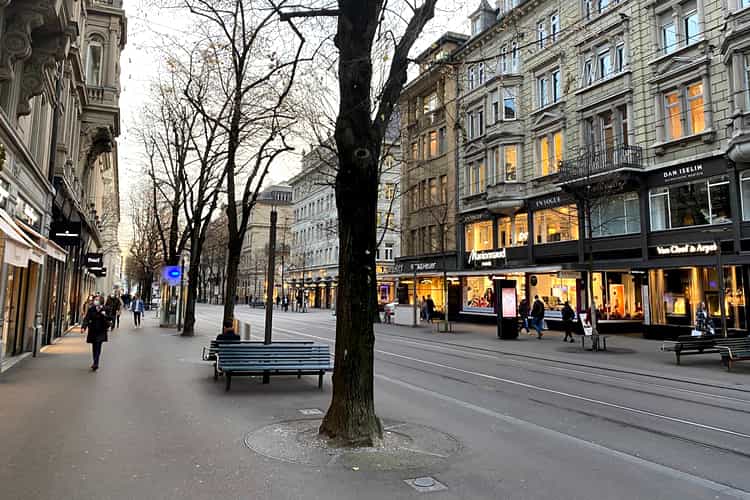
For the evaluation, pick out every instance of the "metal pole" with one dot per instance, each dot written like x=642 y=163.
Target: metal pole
x=269 y=293
x=182 y=281
x=720 y=270
x=414 y=323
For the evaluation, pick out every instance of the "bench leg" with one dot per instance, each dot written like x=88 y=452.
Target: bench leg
x=299 y=375
x=729 y=364
x=604 y=343
x=229 y=381
x=677 y=355
x=216 y=373
x=320 y=380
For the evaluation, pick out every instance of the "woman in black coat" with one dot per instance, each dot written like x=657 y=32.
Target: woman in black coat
x=96 y=322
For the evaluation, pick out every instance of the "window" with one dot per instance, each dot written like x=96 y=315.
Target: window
x=541 y=34
x=511 y=163
x=509 y=103
x=476 y=26
x=556 y=224
x=691 y=204
x=414 y=151
x=389 y=191
x=470 y=125
x=668 y=36
x=513 y=231
x=443 y=189
x=556 y=86
x=479 y=236
x=550 y=153
x=693 y=121
x=470 y=77
x=476 y=177
x=745 y=193
x=554 y=26
x=691 y=26
x=619 y=214
x=495 y=101
x=746 y=60
x=430 y=103
x=588 y=72
x=741 y=4
x=94 y=64
x=622 y=60
x=389 y=251
x=502 y=64
x=605 y=63
x=433 y=191
x=674 y=121
x=696 y=121
x=514 y=60
x=497 y=167
x=544 y=156
x=433 y=144
x=543 y=91
x=480 y=74
x=441 y=140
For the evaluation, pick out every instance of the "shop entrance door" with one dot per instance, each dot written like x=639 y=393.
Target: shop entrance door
x=15 y=317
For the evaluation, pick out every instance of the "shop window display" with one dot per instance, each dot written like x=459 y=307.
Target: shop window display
x=618 y=296
x=479 y=295
x=556 y=224
x=691 y=204
x=554 y=291
x=676 y=293
x=616 y=215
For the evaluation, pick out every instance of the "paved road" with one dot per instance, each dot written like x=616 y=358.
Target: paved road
x=152 y=424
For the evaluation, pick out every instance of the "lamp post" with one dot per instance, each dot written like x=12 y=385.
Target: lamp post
x=720 y=277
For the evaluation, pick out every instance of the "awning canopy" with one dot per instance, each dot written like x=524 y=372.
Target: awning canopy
x=33 y=252
x=17 y=251
x=48 y=246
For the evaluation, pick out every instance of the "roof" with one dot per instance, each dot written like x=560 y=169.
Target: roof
x=447 y=37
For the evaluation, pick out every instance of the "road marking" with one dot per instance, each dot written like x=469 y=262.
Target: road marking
x=544 y=389
x=654 y=466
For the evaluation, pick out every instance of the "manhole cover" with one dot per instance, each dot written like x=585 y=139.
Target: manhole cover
x=426 y=484
x=310 y=411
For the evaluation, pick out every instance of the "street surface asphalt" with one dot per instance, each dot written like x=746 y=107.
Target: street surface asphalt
x=534 y=419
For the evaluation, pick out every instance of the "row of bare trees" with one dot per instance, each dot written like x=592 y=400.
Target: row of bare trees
x=224 y=111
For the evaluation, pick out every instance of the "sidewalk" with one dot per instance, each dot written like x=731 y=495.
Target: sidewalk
x=625 y=353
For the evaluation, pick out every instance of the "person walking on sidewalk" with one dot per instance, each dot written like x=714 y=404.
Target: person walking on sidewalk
x=430 y=308
x=96 y=323
x=137 y=307
x=113 y=306
x=523 y=313
x=537 y=316
x=567 y=316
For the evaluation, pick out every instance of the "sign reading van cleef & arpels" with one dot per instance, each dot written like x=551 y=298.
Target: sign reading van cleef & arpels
x=687 y=249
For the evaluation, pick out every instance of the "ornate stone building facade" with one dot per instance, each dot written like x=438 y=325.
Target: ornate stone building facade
x=59 y=117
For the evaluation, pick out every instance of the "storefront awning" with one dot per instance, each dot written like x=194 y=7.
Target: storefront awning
x=50 y=247
x=34 y=252
x=17 y=251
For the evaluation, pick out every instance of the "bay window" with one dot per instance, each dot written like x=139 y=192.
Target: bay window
x=695 y=203
x=745 y=193
x=504 y=160
x=495 y=102
x=509 y=103
x=476 y=177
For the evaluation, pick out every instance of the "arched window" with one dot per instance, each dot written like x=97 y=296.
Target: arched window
x=94 y=64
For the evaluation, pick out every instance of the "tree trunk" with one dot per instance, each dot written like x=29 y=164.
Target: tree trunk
x=234 y=252
x=188 y=327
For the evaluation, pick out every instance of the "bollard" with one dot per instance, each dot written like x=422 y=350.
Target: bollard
x=245 y=331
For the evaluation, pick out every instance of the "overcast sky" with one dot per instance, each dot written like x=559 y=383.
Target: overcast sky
x=146 y=25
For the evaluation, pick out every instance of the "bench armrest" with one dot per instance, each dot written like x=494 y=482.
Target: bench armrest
x=727 y=348
x=664 y=347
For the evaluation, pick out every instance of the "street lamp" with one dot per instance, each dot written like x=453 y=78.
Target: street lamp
x=717 y=232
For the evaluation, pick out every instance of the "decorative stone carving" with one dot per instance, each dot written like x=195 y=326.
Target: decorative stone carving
x=32 y=80
x=16 y=43
x=95 y=140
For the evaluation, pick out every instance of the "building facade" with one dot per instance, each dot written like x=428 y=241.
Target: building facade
x=603 y=154
x=429 y=196
x=253 y=270
x=313 y=265
x=59 y=116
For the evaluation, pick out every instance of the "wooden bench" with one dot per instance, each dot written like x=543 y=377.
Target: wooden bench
x=733 y=350
x=688 y=346
x=209 y=351
x=273 y=359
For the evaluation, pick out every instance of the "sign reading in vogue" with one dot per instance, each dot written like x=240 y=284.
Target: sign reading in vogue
x=688 y=249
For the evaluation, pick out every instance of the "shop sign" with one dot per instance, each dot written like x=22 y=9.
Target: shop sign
x=486 y=258
x=569 y=275
x=689 y=171
x=688 y=249
x=551 y=201
x=93 y=260
x=415 y=267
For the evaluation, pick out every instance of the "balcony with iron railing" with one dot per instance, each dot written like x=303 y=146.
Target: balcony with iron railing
x=599 y=160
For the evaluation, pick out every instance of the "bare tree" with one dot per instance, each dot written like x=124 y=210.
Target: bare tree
x=361 y=126
x=145 y=255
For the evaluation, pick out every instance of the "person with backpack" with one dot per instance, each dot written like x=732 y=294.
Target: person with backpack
x=537 y=316
x=567 y=316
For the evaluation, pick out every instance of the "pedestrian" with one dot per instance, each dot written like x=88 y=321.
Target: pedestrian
x=285 y=303
x=137 y=307
x=278 y=301
x=305 y=302
x=96 y=323
x=423 y=309
x=112 y=305
x=537 y=316
x=701 y=320
x=567 y=316
x=429 y=308
x=523 y=313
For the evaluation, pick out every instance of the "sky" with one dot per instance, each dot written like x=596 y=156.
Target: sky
x=146 y=27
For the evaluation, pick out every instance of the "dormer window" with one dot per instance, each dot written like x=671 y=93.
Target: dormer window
x=476 y=26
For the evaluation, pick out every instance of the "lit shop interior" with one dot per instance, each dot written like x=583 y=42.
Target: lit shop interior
x=676 y=293
x=426 y=285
